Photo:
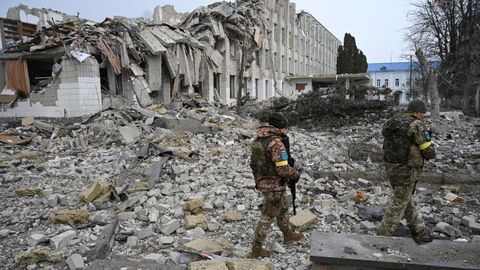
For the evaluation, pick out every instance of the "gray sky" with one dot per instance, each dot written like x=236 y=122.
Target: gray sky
x=377 y=25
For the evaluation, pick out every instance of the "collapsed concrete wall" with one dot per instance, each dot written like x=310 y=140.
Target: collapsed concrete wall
x=75 y=92
x=38 y=16
x=167 y=14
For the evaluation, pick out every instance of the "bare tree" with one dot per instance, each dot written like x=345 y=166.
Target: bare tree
x=446 y=30
x=431 y=83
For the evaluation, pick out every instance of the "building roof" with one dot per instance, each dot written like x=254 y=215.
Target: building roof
x=397 y=66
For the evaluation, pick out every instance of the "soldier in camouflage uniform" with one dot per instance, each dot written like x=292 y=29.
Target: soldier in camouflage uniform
x=407 y=142
x=269 y=163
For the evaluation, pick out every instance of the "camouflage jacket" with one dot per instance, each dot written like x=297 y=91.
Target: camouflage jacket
x=411 y=142
x=421 y=147
x=276 y=153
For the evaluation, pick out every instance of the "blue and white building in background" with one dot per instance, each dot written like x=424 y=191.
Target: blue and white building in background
x=397 y=77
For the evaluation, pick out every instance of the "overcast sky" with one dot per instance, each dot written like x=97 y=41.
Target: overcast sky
x=377 y=25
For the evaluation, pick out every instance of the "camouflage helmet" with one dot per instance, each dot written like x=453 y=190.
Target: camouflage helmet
x=277 y=120
x=417 y=105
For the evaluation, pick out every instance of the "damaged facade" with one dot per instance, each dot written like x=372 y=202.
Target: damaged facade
x=262 y=42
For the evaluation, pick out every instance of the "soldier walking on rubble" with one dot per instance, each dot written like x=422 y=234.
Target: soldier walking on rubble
x=269 y=163
x=407 y=142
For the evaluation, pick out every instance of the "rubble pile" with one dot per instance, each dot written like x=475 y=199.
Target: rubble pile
x=311 y=110
x=173 y=186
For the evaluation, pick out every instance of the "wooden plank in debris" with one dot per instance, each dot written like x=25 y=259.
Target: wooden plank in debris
x=16 y=73
x=152 y=43
x=164 y=38
x=136 y=70
x=112 y=57
x=141 y=90
x=154 y=72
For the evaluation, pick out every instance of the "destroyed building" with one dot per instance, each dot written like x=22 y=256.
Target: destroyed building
x=262 y=42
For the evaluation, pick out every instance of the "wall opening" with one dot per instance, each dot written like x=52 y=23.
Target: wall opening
x=232 y=86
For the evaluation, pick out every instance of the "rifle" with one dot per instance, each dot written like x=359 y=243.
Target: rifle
x=291 y=163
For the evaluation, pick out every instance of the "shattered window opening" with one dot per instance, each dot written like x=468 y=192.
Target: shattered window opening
x=40 y=72
x=233 y=50
x=232 y=86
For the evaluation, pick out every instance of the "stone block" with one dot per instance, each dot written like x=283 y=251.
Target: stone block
x=158 y=258
x=153 y=215
x=232 y=216
x=195 y=233
x=208 y=245
x=75 y=262
x=447 y=229
x=36 y=238
x=170 y=227
x=194 y=221
x=301 y=221
x=144 y=233
x=62 y=239
x=132 y=241
x=193 y=205
x=166 y=240
x=126 y=215
x=363 y=182
x=250 y=264
x=210 y=265
x=467 y=220
x=52 y=200
x=475 y=227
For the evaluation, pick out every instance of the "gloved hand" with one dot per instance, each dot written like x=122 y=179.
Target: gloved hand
x=296 y=179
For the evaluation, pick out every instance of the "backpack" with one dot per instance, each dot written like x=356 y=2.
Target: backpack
x=396 y=143
x=260 y=163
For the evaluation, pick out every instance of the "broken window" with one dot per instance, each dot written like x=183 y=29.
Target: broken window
x=40 y=72
x=266 y=89
x=397 y=82
x=386 y=83
x=233 y=50
x=256 y=88
x=268 y=63
x=300 y=87
x=378 y=83
x=257 y=57
x=232 y=86
x=284 y=37
x=275 y=59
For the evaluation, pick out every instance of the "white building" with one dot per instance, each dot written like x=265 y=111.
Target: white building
x=395 y=76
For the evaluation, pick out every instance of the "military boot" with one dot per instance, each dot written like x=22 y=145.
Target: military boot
x=422 y=236
x=259 y=252
x=292 y=237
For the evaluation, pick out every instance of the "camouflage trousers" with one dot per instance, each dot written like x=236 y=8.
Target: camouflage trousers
x=403 y=180
x=275 y=206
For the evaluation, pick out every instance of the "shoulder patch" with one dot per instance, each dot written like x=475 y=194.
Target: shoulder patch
x=284 y=155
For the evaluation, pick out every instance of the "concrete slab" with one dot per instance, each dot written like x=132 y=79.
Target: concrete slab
x=355 y=251
x=123 y=262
